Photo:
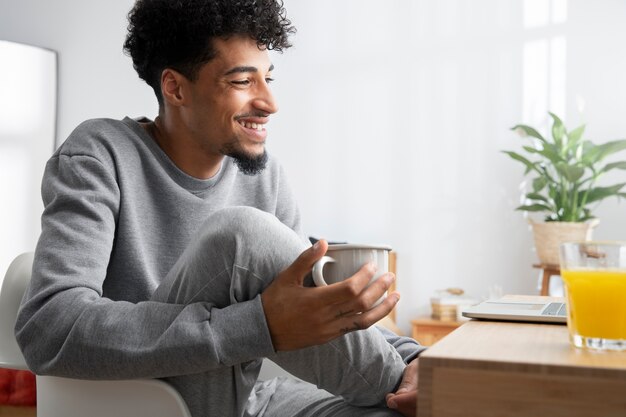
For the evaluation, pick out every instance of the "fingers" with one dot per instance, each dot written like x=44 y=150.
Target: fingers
x=304 y=263
x=405 y=403
x=352 y=320
x=404 y=400
x=299 y=316
x=350 y=287
x=374 y=291
x=409 y=379
x=371 y=294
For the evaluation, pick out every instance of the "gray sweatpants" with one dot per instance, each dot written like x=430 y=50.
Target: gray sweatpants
x=236 y=255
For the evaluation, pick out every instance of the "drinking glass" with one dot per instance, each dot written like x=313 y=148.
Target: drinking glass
x=594 y=274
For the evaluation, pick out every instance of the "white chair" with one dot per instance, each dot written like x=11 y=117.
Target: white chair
x=64 y=397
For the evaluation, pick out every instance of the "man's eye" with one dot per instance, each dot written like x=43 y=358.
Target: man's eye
x=241 y=82
x=269 y=80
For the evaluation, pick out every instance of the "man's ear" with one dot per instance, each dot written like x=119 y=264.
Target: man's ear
x=172 y=83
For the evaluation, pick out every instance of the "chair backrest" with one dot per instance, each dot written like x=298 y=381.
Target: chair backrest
x=64 y=397
x=14 y=285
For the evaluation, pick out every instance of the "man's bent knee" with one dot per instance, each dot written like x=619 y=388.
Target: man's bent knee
x=246 y=225
x=235 y=245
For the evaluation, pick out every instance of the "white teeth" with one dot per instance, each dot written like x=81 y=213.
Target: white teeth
x=249 y=125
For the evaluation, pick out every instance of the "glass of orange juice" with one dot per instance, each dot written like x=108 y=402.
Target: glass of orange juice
x=594 y=274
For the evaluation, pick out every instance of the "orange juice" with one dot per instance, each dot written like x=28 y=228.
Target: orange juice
x=596 y=302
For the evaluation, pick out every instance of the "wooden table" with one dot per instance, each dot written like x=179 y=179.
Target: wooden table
x=489 y=369
x=428 y=331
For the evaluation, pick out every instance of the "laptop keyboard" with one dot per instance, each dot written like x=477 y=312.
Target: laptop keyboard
x=555 y=309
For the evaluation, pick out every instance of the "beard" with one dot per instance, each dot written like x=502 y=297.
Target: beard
x=247 y=164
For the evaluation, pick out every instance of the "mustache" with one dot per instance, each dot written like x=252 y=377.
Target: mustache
x=252 y=114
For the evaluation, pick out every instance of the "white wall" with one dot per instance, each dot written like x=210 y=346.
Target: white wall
x=392 y=116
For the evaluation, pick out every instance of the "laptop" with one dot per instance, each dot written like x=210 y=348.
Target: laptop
x=531 y=309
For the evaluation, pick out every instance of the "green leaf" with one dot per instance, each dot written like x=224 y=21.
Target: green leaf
x=578 y=154
x=552 y=153
x=574 y=147
x=529 y=165
x=573 y=137
x=558 y=131
x=571 y=172
x=539 y=183
x=528 y=131
x=534 y=207
x=536 y=196
x=530 y=149
x=553 y=193
x=614 y=165
x=600 y=193
x=595 y=153
x=609 y=148
x=552 y=218
x=589 y=154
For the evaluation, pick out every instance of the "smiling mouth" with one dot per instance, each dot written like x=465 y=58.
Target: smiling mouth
x=251 y=125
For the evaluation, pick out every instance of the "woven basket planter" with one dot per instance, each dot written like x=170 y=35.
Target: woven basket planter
x=549 y=236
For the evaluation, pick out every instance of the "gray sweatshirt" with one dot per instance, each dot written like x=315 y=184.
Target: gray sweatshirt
x=118 y=214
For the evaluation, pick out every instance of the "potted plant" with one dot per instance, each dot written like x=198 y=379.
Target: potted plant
x=564 y=170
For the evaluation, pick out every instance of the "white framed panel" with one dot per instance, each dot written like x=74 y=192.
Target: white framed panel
x=28 y=113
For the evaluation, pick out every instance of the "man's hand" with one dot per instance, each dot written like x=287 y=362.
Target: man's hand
x=404 y=400
x=299 y=316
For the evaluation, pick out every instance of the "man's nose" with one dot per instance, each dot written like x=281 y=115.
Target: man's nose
x=265 y=100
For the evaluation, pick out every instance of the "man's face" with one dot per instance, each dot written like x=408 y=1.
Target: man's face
x=231 y=102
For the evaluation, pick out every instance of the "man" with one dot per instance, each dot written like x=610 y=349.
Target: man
x=172 y=248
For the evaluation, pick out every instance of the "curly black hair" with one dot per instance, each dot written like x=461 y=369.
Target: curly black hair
x=178 y=34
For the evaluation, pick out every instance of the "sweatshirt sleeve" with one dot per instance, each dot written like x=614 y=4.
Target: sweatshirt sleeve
x=287 y=210
x=408 y=348
x=65 y=326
